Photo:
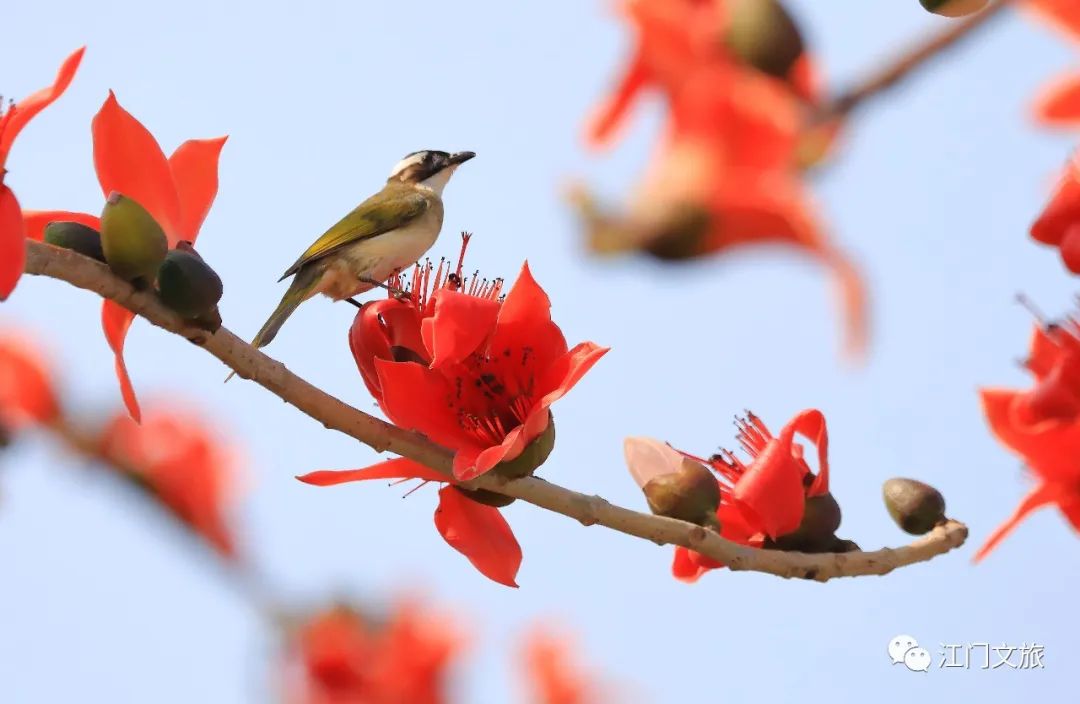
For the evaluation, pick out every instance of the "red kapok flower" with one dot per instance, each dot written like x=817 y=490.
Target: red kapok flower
x=178 y=191
x=478 y=531
x=728 y=170
x=1042 y=425
x=1059 y=223
x=27 y=395
x=474 y=373
x=179 y=458
x=12 y=120
x=342 y=658
x=1051 y=450
x=765 y=498
x=1058 y=104
x=552 y=671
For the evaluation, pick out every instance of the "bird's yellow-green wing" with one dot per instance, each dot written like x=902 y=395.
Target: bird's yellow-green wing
x=375 y=216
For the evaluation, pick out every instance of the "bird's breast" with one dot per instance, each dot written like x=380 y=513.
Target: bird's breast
x=378 y=257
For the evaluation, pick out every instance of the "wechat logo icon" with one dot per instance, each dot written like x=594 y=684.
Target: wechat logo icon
x=905 y=650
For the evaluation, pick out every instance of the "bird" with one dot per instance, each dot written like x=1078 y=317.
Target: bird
x=389 y=231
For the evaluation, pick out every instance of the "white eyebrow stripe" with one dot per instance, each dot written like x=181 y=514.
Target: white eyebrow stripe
x=407 y=162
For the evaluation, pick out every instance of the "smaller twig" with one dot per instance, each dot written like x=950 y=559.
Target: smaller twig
x=905 y=64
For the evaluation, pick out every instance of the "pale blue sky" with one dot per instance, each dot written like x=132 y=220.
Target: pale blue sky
x=932 y=192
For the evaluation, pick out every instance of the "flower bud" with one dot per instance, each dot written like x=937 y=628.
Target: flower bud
x=534 y=455
x=187 y=284
x=816 y=531
x=953 y=8
x=77 y=237
x=916 y=507
x=843 y=545
x=488 y=498
x=763 y=34
x=681 y=235
x=133 y=242
x=689 y=494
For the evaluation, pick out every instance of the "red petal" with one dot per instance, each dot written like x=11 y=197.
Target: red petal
x=467 y=466
x=480 y=533
x=26 y=388
x=770 y=493
x=1063 y=209
x=115 y=321
x=128 y=160
x=1043 y=353
x=1049 y=447
x=417 y=398
x=610 y=116
x=1039 y=497
x=560 y=378
x=1059 y=102
x=460 y=325
x=811 y=424
x=688 y=566
x=36 y=220
x=525 y=322
x=398 y=468
x=567 y=371
x=1063 y=15
x=27 y=108
x=12 y=242
x=194 y=167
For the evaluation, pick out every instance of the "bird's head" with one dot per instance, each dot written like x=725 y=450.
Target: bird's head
x=428 y=168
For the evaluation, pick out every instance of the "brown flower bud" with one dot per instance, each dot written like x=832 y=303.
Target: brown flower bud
x=488 y=498
x=690 y=494
x=953 y=8
x=816 y=532
x=763 y=34
x=916 y=507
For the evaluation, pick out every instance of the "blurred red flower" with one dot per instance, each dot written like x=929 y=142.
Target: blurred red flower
x=763 y=499
x=1058 y=103
x=1059 y=223
x=1042 y=426
x=728 y=169
x=178 y=457
x=27 y=395
x=342 y=658
x=178 y=191
x=552 y=671
x=476 y=530
x=473 y=372
x=12 y=121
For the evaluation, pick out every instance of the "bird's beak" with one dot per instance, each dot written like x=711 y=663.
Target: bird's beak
x=460 y=157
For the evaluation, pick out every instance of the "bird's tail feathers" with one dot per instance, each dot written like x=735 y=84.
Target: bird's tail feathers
x=299 y=291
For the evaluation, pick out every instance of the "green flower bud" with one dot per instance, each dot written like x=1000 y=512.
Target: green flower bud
x=916 y=507
x=690 y=494
x=762 y=34
x=534 y=455
x=187 y=284
x=77 y=237
x=953 y=8
x=133 y=242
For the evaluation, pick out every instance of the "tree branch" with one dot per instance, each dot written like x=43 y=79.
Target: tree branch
x=85 y=273
x=905 y=64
